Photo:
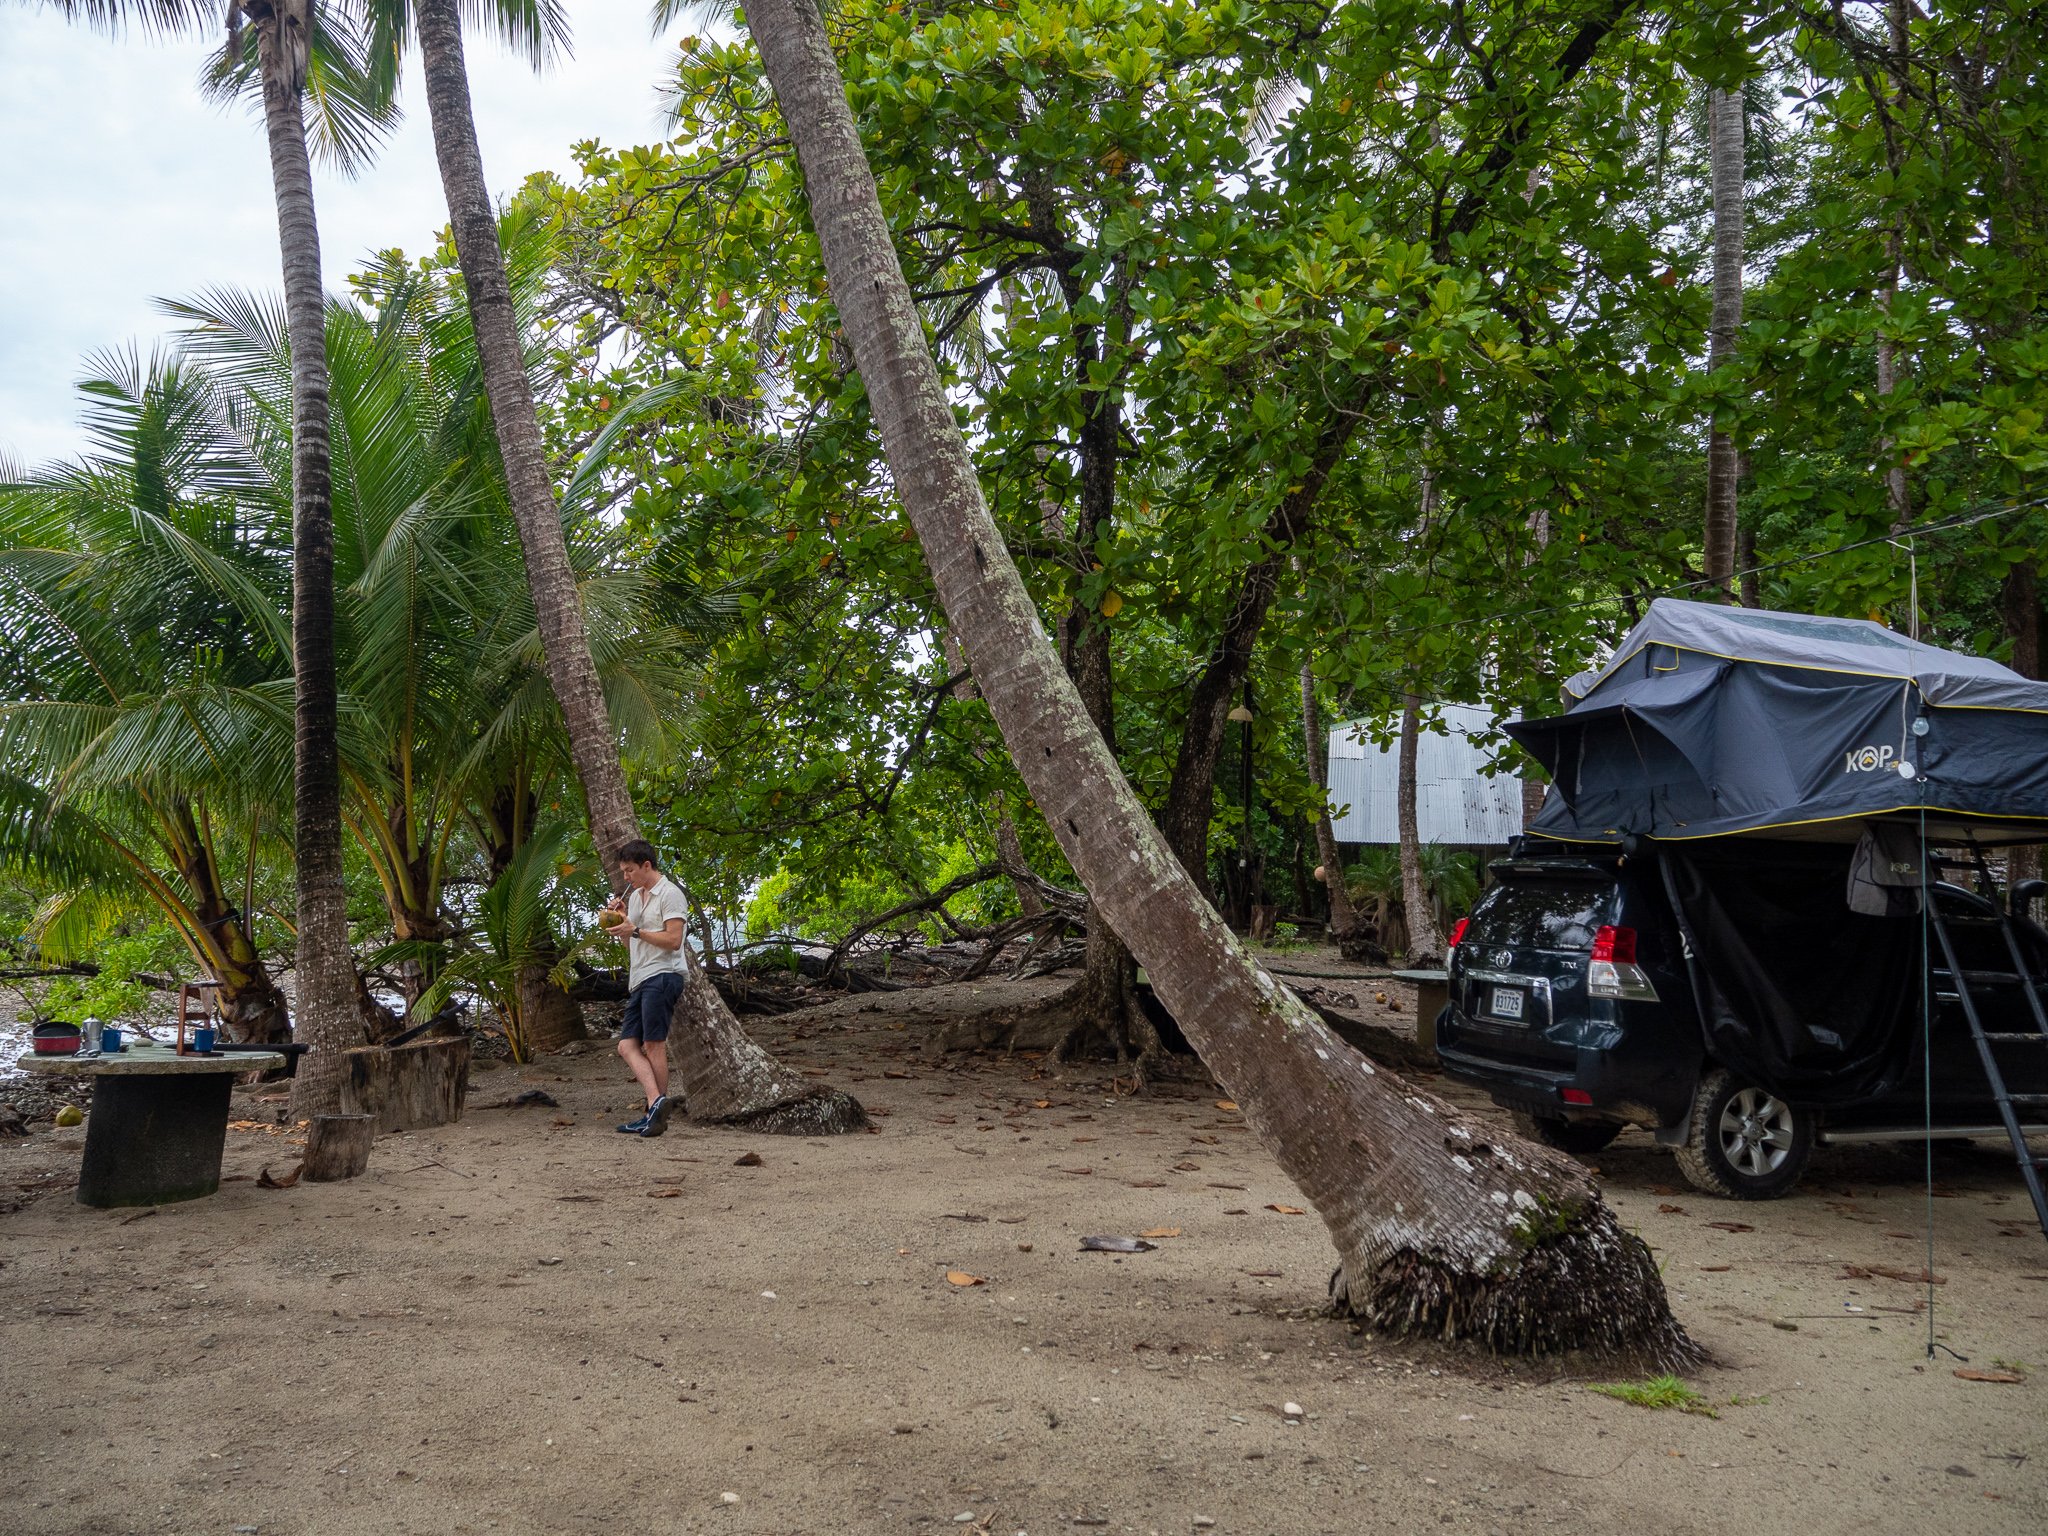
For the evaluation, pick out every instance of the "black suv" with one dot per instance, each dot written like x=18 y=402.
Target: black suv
x=1574 y=1002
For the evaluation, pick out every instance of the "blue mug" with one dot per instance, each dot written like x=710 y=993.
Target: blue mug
x=202 y=1041
x=110 y=1041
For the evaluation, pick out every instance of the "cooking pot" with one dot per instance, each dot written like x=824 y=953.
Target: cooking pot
x=53 y=1039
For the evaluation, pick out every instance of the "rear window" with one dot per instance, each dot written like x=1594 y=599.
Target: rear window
x=1529 y=913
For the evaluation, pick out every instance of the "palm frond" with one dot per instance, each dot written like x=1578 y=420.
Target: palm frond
x=163 y=18
x=351 y=103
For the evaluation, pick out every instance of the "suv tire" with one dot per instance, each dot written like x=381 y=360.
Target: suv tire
x=1743 y=1142
x=1580 y=1137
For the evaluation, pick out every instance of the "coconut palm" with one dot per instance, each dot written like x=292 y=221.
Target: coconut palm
x=283 y=51
x=145 y=722
x=725 y=1074
x=1441 y=1227
x=519 y=934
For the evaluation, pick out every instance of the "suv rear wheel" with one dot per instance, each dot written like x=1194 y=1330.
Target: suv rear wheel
x=1583 y=1137
x=1744 y=1142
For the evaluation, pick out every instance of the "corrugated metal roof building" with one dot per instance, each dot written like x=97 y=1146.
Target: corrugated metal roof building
x=1455 y=801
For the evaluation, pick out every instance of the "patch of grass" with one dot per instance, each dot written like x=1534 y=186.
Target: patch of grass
x=1657 y=1392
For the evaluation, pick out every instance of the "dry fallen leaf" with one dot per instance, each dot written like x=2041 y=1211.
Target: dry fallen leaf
x=1226 y=1103
x=961 y=1277
x=1668 y=1209
x=265 y=1181
x=1263 y=1274
x=1731 y=1226
x=1187 y=1167
x=2003 y=1378
x=664 y=1194
x=1160 y=1232
x=750 y=1160
x=1287 y=1210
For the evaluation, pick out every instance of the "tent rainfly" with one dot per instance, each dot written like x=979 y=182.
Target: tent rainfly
x=1714 y=721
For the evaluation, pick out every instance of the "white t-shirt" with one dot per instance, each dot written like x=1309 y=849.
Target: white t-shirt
x=651 y=909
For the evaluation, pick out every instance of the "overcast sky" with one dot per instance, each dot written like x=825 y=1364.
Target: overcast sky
x=122 y=186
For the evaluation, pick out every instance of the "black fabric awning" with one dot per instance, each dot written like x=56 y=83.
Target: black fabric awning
x=1723 y=722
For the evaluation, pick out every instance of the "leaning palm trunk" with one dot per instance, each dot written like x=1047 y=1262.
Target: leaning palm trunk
x=1443 y=1227
x=1724 y=135
x=327 y=1017
x=726 y=1075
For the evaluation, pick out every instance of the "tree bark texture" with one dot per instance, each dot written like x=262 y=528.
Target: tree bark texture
x=1342 y=918
x=1425 y=940
x=1191 y=793
x=407 y=1087
x=338 y=1146
x=727 y=1075
x=250 y=1001
x=549 y=1017
x=1726 y=150
x=327 y=1017
x=1442 y=1228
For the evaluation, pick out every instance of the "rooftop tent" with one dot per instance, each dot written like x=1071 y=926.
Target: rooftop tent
x=1713 y=721
x=1716 y=723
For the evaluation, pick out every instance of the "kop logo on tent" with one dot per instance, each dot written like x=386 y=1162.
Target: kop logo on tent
x=1867 y=759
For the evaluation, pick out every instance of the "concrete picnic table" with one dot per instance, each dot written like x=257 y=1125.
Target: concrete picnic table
x=1432 y=995
x=158 y=1123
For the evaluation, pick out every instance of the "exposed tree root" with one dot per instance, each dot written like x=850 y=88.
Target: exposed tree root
x=1084 y=1022
x=821 y=1112
x=1589 y=1285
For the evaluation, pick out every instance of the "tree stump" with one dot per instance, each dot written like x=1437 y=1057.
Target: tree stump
x=1265 y=918
x=338 y=1146
x=553 y=1017
x=405 y=1087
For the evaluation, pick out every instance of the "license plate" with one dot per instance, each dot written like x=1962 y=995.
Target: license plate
x=1505 y=1003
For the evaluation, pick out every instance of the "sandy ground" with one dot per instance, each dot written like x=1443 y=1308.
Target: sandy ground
x=527 y=1323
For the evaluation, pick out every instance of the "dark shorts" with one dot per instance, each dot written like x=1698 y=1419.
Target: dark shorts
x=649 y=1005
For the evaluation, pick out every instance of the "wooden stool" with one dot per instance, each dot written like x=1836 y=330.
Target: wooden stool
x=198 y=1001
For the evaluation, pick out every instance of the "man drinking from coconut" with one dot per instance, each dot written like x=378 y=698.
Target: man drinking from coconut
x=650 y=924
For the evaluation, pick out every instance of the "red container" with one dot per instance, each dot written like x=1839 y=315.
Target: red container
x=52 y=1039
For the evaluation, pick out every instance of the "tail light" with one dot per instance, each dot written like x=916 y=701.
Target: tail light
x=1458 y=932
x=1617 y=944
x=1611 y=970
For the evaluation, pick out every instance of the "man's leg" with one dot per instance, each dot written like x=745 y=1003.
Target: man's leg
x=642 y=1065
x=663 y=993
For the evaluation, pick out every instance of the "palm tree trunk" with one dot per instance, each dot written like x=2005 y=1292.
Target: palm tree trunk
x=1342 y=918
x=1442 y=1228
x=327 y=1017
x=726 y=1074
x=250 y=1002
x=1425 y=942
x=1725 y=139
